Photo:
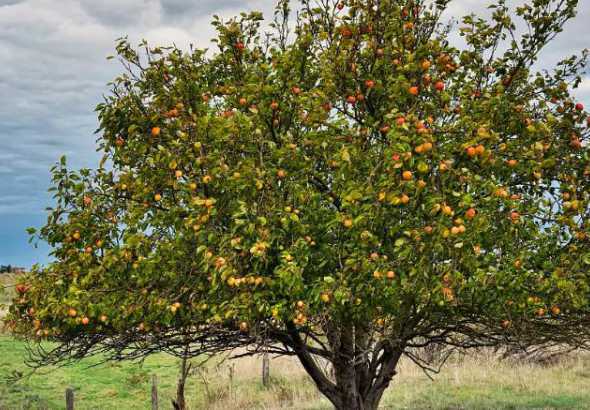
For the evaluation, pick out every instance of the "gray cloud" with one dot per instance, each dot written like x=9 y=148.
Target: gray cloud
x=9 y=2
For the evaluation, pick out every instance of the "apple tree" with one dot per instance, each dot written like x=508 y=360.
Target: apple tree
x=347 y=187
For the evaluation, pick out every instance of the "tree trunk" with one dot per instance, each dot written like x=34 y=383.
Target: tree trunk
x=361 y=372
x=180 y=402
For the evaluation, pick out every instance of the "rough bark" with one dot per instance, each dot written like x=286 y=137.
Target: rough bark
x=180 y=402
x=362 y=370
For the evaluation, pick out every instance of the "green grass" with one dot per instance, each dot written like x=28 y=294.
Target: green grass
x=124 y=385
x=478 y=382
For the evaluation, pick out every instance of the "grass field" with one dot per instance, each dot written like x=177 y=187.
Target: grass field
x=479 y=382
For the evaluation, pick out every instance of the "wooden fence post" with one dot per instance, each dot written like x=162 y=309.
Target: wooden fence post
x=154 y=392
x=69 y=398
x=265 y=370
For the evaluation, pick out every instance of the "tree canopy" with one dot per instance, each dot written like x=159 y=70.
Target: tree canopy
x=347 y=188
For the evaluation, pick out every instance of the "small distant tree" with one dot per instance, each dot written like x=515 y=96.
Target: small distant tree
x=348 y=190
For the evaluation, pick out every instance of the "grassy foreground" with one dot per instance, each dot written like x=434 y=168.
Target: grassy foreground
x=479 y=382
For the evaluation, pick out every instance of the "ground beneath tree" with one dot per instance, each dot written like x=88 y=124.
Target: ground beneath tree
x=477 y=382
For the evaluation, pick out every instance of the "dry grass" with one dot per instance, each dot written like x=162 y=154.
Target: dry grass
x=467 y=382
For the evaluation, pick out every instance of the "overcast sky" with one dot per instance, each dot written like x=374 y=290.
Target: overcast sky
x=53 y=72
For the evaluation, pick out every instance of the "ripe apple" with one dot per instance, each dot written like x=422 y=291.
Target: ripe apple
x=347 y=223
x=471 y=152
x=244 y=326
x=85 y=320
x=575 y=143
x=157 y=197
x=407 y=175
x=346 y=32
x=390 y=274
x=72 y=312
x=447 y=210
x=385 y=129
x=21 y=288
x=155 y=131
x=119 y=142
x=300 y=304
x=400 y=121
x=87 y=200
x=178 y=173
x=243 y=101
x=555 y=310
x=439 y=86
x=428 y=229
x=579 y=107
x=512 y=163
x=274 y=105
x=370 y=83
x=480 y=149
x=240 y=46
x=281 y=173
x=296 y=90
x=103 y=318
x=404 y=199
x=426 y=65
x=414 y=90
x=351 y=99
x=470 y=214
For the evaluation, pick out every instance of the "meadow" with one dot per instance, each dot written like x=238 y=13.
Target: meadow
x=468 y=382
